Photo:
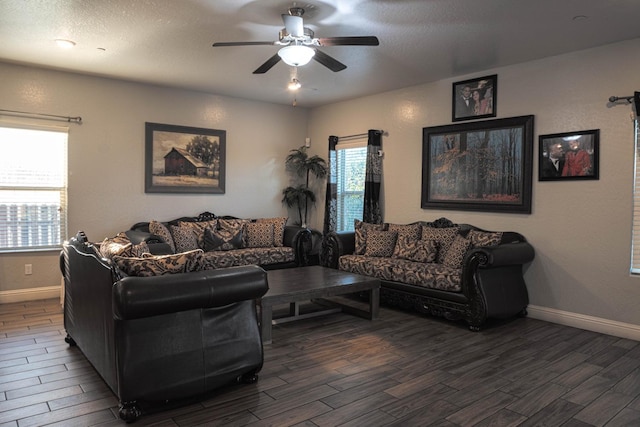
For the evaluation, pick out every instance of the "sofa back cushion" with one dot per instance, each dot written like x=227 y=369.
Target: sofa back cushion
x=361 y=229
x=120 y=245
x=260 y=234
x=380 y=243
x=484 y=238
x=278 y=229
x=223 y=239
x=444 y=237
x=454 y=255
x=159 y=229
x=415 y=250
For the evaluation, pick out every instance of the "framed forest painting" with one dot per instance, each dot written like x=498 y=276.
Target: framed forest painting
x=478 y=166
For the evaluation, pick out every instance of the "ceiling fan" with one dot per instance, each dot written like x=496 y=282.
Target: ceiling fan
x=300 y=45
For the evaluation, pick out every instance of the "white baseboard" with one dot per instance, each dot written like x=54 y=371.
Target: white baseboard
x=589 y=323
x=30 y=294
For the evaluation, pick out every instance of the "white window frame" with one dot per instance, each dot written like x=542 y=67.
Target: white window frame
x=33 y=212
x=341 y=223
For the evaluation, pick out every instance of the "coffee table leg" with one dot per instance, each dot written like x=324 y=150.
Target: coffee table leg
x=266 y=315
x=374 y=303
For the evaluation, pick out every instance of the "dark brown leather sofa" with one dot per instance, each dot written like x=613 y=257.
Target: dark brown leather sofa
x=163 y=338
x=491 y=278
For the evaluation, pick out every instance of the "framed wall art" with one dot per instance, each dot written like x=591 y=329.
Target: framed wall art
x=569 y=156
x=478 y=166
x=182 y=159
x=475 y=98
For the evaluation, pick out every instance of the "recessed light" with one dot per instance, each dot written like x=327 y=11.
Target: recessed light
x=580 y=17
x=65 y=44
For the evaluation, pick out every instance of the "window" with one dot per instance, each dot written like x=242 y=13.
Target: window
x=351 y=166
x=33 y=188
x=635 y=238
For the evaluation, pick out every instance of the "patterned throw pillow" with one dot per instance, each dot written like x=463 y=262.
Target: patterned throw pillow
x=361 y=230
x=222 y=240
x=259 y=234
x=159 y=229
x=484 y=238
x=412 y=230
x=157 y=265
x=234 y=225
x=120 y=245
x=198 y=227
x=185 y=237
x=380 y=243
x=444 y=237
x=456 y=252
x=415 y=250
x=278 y=229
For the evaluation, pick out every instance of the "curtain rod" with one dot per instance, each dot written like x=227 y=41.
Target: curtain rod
x=44 y=116
x=359 y=135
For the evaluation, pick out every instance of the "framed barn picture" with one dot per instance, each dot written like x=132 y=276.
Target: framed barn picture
x=183 y=159
x=478 y=166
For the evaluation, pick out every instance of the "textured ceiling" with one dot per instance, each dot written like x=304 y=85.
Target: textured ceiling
x=168 y=42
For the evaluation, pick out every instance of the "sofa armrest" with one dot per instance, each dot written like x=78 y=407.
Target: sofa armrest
x=299 y=239
x=336 y=244
x=138 y=297
x=502 y=255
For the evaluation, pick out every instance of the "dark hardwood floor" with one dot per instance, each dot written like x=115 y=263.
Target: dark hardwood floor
x=402 y=369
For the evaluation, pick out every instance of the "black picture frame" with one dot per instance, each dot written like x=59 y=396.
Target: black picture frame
x=478 y=166
x=184 y=159
x=577 y=154
x=483 y=107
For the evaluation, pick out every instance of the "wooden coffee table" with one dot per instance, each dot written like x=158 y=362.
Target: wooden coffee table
x=293 y=285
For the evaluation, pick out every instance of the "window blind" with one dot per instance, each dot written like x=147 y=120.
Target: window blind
x=33 y=188
x=352 y=162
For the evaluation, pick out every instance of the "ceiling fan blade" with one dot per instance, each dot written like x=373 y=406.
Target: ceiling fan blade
x=293 y=25
x=349 y=41
x=220 y=44
x=328 y=61
x=267 y=65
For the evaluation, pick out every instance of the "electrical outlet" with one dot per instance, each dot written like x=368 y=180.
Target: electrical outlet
x=28 y=269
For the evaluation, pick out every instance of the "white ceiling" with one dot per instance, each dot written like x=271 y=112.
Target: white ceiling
x=168 y=42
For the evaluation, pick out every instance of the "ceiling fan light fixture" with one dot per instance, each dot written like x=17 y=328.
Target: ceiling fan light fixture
x=296 y=55
x=294 y=85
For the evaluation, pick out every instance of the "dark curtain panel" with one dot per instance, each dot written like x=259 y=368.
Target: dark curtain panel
x=331 y=197
x=372 y=212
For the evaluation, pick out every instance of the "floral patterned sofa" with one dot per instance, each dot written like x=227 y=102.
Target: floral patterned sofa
x=205 y=242
x=457 y=271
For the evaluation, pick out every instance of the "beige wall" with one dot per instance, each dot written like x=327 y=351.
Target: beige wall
x=580 y=229
x=106 y=154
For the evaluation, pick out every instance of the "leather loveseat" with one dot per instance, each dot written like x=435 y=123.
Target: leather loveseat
x=161 y=338
x=457 y=271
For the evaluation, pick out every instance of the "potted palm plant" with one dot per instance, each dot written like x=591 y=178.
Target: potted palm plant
x=301 y=196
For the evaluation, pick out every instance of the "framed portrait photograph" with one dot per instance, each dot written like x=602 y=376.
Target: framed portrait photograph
x=569 y=155
x=478 y=166
x=183 y=159
x=475 y=98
